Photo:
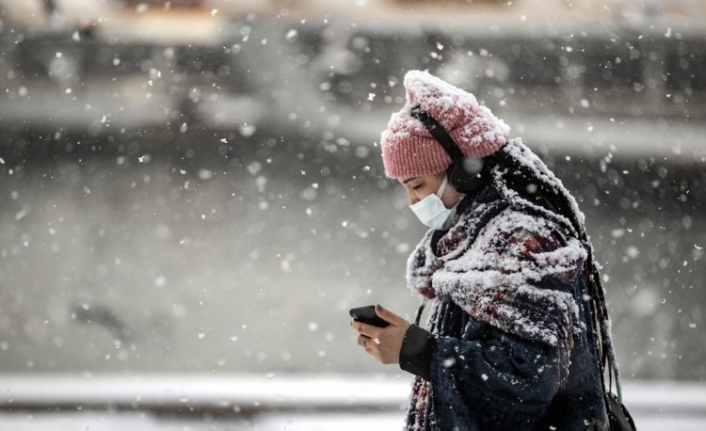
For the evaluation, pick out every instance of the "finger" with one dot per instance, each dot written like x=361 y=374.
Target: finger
x=389 y=316
x=365 y=329
x=368 y=349
x=362 y=340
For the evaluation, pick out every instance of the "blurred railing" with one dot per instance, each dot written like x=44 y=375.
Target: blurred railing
x=679 y=405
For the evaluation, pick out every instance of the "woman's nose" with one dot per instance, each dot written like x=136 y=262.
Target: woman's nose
x=412 y=198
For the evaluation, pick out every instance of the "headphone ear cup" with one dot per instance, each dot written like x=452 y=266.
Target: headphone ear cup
x=462 y=180
x=458 y=177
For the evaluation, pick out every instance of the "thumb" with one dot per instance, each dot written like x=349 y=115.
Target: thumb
x=388 y=316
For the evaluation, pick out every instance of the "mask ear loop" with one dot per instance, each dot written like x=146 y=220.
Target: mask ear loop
x=440 y=192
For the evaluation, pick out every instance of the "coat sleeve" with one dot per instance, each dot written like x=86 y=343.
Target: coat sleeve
x=516 y=283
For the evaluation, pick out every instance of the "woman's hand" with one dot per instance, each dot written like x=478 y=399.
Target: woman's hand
x=384 y=344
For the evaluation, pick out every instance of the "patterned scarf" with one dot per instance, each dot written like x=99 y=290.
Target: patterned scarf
x=506 y=262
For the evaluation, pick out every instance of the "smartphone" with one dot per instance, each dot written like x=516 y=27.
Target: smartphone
x=367 y=315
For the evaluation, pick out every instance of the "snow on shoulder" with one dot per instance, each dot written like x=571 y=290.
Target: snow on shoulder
x=519 y=152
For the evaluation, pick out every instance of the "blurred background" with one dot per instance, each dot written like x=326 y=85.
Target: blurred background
x=192 y=197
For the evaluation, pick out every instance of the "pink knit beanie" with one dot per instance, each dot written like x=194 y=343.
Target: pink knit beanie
x=409 y=150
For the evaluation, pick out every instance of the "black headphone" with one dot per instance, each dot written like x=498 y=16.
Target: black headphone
x=466 y=174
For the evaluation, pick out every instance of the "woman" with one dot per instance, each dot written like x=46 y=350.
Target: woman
x=518 y=322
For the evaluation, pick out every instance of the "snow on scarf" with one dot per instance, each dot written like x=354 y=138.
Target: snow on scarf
x=508 y=263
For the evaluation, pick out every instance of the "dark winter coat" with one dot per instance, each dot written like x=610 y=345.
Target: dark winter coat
x=510 y=342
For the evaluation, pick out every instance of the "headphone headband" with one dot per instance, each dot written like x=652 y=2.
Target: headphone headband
x=440 y=134
x=457 y=172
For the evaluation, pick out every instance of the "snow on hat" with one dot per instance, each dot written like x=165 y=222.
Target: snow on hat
x=409 y=150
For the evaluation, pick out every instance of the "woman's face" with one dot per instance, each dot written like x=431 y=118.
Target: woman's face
x=418 y=188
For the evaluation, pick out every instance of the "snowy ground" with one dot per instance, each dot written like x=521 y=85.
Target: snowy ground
x=207 y=402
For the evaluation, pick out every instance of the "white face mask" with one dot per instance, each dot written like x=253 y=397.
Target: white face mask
x=432 y=212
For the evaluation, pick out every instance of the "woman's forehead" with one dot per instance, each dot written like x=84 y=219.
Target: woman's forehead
x=420 y=178
x=405 y=180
